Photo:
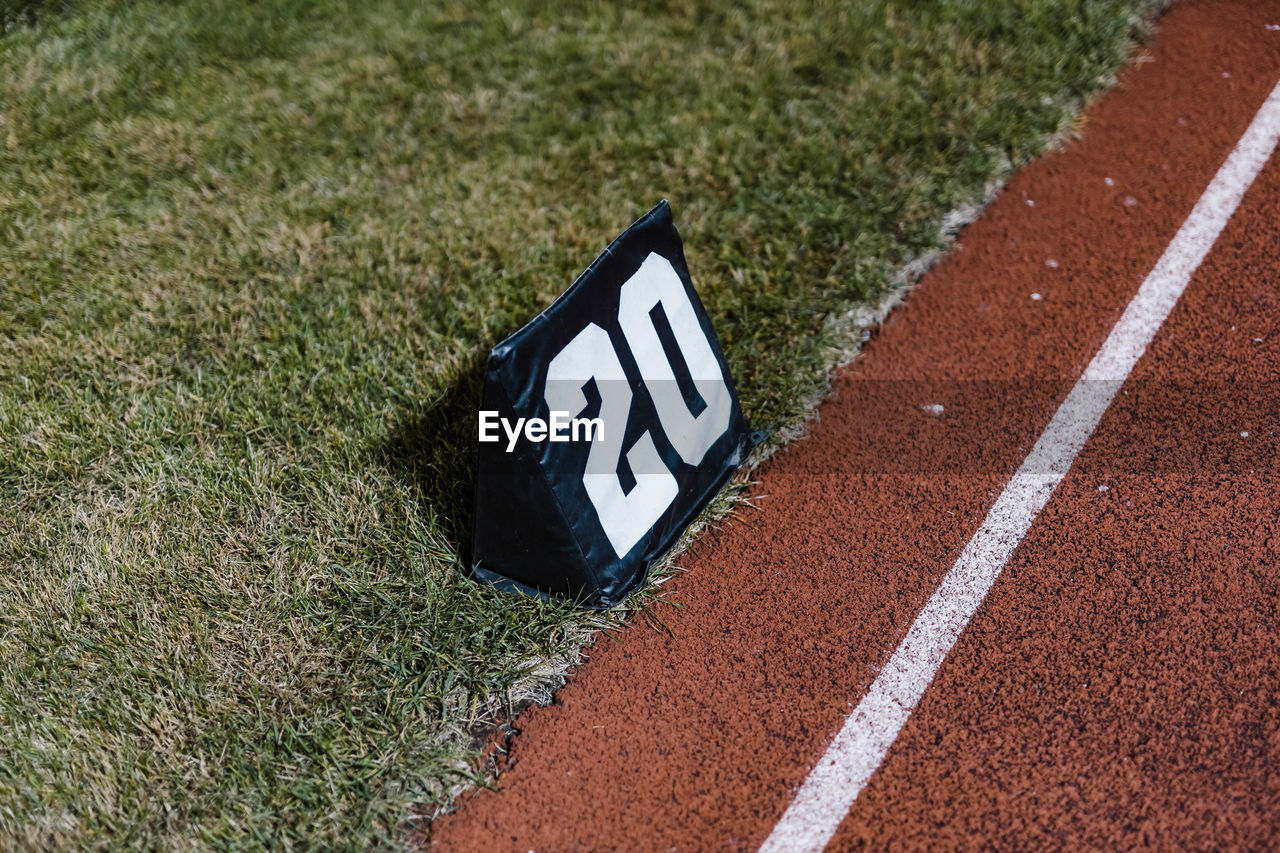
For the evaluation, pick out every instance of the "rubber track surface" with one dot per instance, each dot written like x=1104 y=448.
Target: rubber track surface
x=1120 y=686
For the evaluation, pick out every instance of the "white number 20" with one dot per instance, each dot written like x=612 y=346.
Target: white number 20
x=627 y=516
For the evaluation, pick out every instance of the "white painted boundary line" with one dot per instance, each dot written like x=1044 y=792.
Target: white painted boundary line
x=846 y=767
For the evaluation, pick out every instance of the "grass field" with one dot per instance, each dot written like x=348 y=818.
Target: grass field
x=252 y=256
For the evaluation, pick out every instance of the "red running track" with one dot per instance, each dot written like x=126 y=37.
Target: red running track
x=1119 y=687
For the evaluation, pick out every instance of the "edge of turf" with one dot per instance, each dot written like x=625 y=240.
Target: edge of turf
x=493 y=728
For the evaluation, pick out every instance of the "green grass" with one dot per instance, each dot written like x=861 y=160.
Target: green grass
x=252 y=255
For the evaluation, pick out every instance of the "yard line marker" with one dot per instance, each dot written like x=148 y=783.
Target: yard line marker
x=845 y=768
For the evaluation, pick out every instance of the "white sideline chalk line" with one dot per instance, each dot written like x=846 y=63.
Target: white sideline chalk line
x=845 y=768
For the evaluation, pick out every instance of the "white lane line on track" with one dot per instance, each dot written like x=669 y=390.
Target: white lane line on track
x=845 y=768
